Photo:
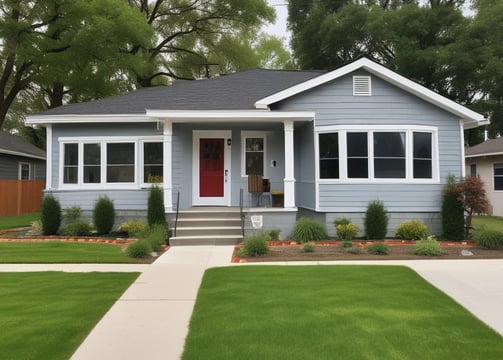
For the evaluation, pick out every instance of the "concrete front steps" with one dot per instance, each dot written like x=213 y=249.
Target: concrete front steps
x=207 y=226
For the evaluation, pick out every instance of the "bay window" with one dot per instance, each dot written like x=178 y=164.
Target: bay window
x=329 y=156
x=389 y=155
x=357 y=155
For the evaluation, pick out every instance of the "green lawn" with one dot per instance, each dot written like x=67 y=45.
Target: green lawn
x=12 y=222
x=57 y=252
x=47 y=315
x=331 y=312
x=491 y=222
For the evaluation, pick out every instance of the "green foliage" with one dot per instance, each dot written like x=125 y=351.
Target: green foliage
x=474 y=199
x=155 y=210
x=274 y=234
x=73 y=213
x=51 y=215
x=453 y=220
x=307 y=248
x=156 y=236
x=376 y=221
x=378 y=249
x=133 y=228
x=346 y=244
x=104 y=215
x=488 y=238
x=77 y=228
x=346 y=231
x=255 y=245
x=411 y=230
x=354 y=250
x=309 y=229
x=428 y=247
x=139 y=249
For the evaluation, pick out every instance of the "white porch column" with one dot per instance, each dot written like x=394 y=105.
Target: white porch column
x=166 y=169
x=289 y=180
x=48 y=158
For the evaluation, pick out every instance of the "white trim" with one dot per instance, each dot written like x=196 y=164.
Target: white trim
x=167 y=171
x=88 y=118
x=289 y=180
x=20 y=172
x=253 y=134
x=211 y=134
x=180 y=116
x=48 y=162
x=462 y=137
x=469 y=117
x=342 y=130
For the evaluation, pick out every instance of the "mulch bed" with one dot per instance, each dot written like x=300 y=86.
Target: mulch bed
x=398 y=250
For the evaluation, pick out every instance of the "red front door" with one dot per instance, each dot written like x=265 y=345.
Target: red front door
x=211 y=167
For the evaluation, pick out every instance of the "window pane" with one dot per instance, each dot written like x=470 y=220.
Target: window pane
x=473 y=170
x=389 y=144
x=92 y=163
x=422 y=145
x=254 y=144
x=329 y=146
x=152 y=162
x=120 y=162
x=71 y=154
x=254 y=163
x=498 y=177
x=70 y=166
x=358 y=168
x=357 y=144
x=329 y=169
x=70 y=175
x=389 y=168
x=498 y=169
x=422 y=169
x=498 y=183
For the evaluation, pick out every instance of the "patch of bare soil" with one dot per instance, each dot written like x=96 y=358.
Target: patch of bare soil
x=396 y=252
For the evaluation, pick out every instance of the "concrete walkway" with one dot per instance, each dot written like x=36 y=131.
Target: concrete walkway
x=150 y=320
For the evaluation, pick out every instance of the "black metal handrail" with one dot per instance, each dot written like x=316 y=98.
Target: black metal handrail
x=241 y=191
x=177 y=210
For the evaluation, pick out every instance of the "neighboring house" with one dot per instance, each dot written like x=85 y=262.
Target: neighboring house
x=330 y=141
x=486 y=160
x=20 y=160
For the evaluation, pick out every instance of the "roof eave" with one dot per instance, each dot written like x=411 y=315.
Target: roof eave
x=18 y=153
x=91 y=118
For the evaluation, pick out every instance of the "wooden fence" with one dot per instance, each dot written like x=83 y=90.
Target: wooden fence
x=20 y=196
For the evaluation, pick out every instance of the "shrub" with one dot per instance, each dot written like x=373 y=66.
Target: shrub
x=452 y=213
x=376 y=221
x=378 y=249
x=104 y=215
x=488 y=238
x=346 y=244
x=428 y=247
x=156 y=236
x=139 y=249
x=77 y=228
x=354 y=250
x=51 y=215
x=274 y=234
x=309 y=229
x=73 y=214
x=307 y=248
x=155 y=211
x=255 y=245
x=346 y=231
x=473 y=196
x=412 y=230
x=133 y=228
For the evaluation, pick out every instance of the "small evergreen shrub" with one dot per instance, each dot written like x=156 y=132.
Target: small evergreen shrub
x=307 y=248
x=274 y=234
x=428 y=247
x=51 y=215
x=156 y=236
x=104 y=215
x=452 y=213
x=376 y=221
x=73 y=213
x=133 y=228
x=378 y=249
x=77 y=228
x=346 y=244
x=354 y=250
x=309 y=229
x=139 y=249
x=411 y=230
x=155 y=210
x=346 y=231
x=488 y=238
x=255 y=245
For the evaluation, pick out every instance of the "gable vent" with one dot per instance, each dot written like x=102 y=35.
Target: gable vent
x=361 y=86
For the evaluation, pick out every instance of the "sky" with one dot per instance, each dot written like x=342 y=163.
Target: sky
x=279 y=27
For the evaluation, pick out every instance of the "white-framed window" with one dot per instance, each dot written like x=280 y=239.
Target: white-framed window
x=377 y=154
x=498 y=176
x=24 y=171
x=253 y=153
x=111 y=161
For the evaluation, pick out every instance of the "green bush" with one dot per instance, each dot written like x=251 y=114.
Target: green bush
x=354 y=250
x=378 y=249
x=73 y=214
x=139 y=249
x=428 y=247
x=309 y=229
x=156 y=236
x=376 y=221
x=51 y=215
x=104 y=215
x=452 y=213
x=307 y=248
x=274 y=234
x=488 y=238
x=133 y=228
x=411 y=230
x=77 y=228
x=255 y=245
x=346 y=244
x=346 y=231
x=155 y=210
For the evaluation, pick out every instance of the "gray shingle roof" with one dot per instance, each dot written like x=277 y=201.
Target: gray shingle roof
x=238 y=91
x=11 y=144
x=493 y=146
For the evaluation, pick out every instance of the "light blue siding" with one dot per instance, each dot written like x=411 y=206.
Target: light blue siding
x=9 y=167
